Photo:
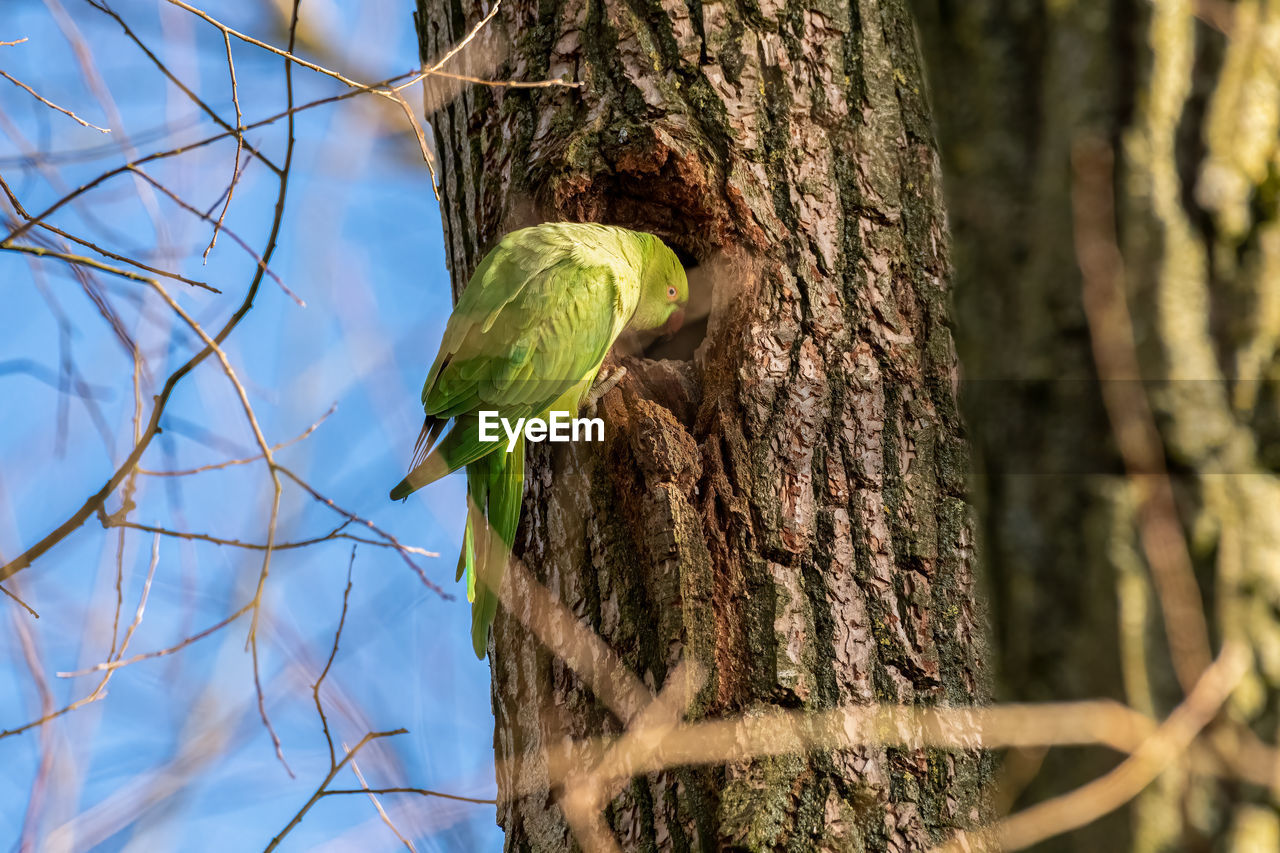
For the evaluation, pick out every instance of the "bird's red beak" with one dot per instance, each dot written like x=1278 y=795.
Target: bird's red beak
x=673 y=324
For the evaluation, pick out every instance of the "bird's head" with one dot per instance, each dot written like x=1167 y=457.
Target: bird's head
x=664 y=289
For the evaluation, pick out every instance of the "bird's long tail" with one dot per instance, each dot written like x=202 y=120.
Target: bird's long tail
x=495 y=488
x=460 y=447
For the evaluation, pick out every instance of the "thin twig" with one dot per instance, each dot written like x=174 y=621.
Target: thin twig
x=21 y=211
x=108 y=666
x=235 y=166
x=333 y=653
x=505 y=84
x=48 y=103
x=460 y=46
x=81 y=260
x=287 y=114
x=99 y=691
x=288 y=55
x=40 y=784
x=20 y=602
x=266 y=452
x=422 y=792
x=246 y=460
x=337 y=533
x=276 y=488
x=207 y=218
x=319 y=792
x=422 y=141
x=435 y=69
x=142 y=599
x=98 y=499
x=182 y=87
x=403 y=550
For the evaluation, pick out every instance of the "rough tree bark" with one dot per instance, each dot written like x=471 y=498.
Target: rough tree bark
x=788 y=505
x=1186 y=96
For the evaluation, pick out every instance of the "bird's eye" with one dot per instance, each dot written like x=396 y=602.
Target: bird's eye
x=671 y=293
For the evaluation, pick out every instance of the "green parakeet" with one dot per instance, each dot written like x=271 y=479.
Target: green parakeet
x=526 y=339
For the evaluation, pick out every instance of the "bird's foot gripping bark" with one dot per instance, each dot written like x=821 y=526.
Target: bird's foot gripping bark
x=603 y=385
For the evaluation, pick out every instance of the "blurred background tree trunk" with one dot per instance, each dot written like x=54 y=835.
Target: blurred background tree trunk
x=788 y=504
x=1184 y=95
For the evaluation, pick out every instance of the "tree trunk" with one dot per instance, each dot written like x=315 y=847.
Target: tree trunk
x=1189 y=112
x=787 y=505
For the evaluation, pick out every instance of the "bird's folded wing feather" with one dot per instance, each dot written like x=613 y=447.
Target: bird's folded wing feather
x=525 y=330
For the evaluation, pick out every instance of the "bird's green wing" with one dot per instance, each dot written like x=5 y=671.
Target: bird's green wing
x=526 y=330
x=540 y=284
x=516 y=353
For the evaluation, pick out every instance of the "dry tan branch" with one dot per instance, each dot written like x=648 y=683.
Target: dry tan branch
x=599 y=666
x=262 y=264
x=402 y=549
x=21 y=211
x=338 y=533
x=79 y=260
x=236 y=131
x=377 y=805
x=1156 y=753
x=1116 y=357
x=333 y=653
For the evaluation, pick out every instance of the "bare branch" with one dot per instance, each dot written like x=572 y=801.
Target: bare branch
x=48 y=103
x=196 y=637
x=404 y=550
x=1107 y=793
x=333 y=653
x=1116 y=357
x=422 y=792
x=20 y=602
x=320 y=791
x=186 y=90
x=245 y=461
x=235 y=166
x=81 y=260
x=262 y=264
x=335 y=534
x=98 y=499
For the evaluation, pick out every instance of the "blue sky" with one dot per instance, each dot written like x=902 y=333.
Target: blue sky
x=175 y=757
